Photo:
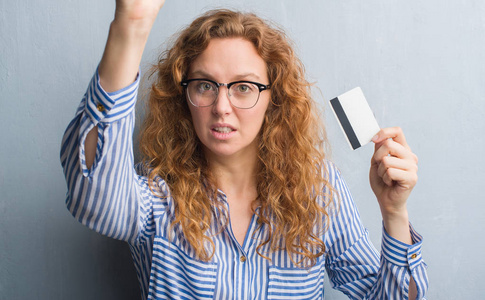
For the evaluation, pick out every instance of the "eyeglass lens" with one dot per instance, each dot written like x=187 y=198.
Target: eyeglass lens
x=241 y=94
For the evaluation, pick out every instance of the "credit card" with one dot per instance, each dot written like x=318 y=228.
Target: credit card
x=355 y=117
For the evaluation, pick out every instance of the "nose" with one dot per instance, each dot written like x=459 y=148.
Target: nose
x=222 y=106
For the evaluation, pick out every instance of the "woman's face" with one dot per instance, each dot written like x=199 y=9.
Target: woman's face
x=224 y=130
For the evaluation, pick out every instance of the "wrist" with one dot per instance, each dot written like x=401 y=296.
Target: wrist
x=121 y=59
x=139 y=13
x=131 y=29
x=395 y=216
x=397 y=226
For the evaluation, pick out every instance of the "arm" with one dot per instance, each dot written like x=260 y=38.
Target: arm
x=119 y=65
x=354 y=265
x=393 y=175
x=104 y=191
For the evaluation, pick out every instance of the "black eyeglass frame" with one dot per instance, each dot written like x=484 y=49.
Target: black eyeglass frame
x=261 y=87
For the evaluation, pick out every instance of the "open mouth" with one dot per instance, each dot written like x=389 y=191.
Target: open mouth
x=222 y=129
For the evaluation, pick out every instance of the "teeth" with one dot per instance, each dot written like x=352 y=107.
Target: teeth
x=223 y=129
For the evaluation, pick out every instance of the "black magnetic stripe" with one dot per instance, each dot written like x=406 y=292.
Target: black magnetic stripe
x=344 y=121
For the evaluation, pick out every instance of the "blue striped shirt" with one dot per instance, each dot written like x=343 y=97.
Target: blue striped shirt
x=114 y=199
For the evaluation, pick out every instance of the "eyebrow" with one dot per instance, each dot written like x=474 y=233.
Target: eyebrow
x=202 y=74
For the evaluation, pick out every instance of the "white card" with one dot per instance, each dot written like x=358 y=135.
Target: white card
x=355 y=117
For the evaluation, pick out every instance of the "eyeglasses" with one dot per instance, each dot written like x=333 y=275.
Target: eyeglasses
x=242 y=94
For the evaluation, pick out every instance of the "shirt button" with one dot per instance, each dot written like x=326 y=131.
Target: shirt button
x=242 y=258
x=414 y=256
x=100 y=107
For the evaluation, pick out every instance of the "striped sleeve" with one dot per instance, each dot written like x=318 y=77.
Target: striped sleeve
x=105 y=197
x=353 y=264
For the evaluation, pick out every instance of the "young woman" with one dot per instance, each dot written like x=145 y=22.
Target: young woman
x=234 y=198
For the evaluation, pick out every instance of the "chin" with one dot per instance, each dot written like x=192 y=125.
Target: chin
x=225 y=150
x=218 y=152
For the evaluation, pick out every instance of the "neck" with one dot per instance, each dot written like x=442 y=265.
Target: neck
x=236 y=176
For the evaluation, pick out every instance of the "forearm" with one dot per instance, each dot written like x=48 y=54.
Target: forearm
x=123 y=52
x=397 y=226
x=120 y=63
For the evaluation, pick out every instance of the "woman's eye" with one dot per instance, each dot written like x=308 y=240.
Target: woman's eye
x=243 y=88
x=205 y=86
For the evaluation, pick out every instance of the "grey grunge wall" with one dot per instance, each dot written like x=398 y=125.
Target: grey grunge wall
x=421 y=65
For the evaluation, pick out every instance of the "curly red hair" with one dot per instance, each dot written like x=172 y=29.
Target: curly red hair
x=291 y=143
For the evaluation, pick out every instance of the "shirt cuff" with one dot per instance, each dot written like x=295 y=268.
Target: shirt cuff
x=105 y=107
x=402 y=254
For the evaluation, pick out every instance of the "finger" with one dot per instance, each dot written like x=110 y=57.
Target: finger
x=403 y=178
x=387 y=179
x=394 y=133
x=389 y=162
x=392 y=148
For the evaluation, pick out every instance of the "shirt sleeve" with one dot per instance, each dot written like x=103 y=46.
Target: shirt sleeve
x=353 y=264
x=108 y=197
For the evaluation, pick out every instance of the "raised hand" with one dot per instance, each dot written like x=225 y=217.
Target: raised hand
x=393 y=175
